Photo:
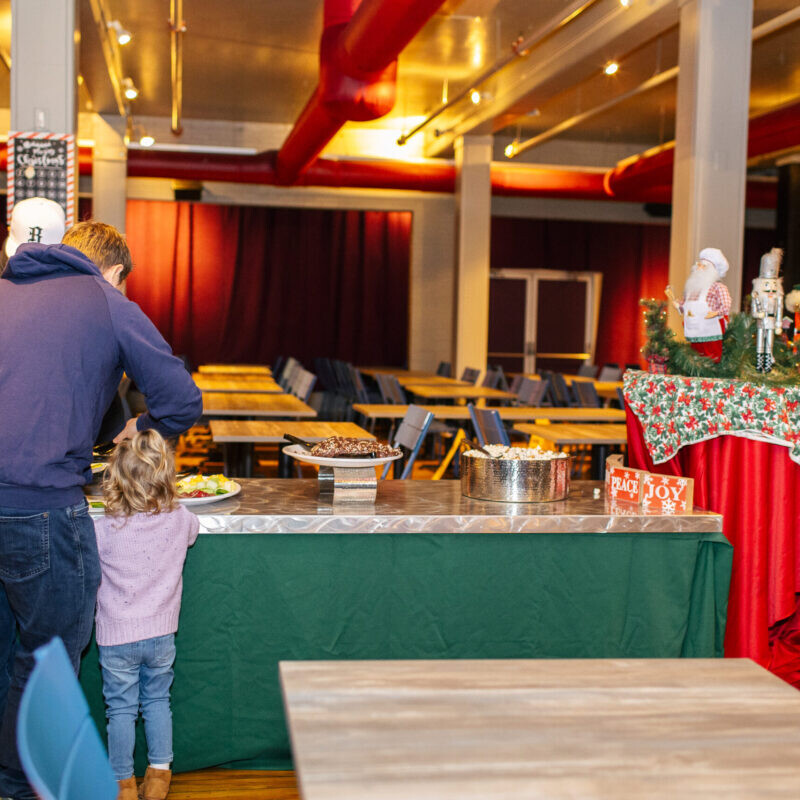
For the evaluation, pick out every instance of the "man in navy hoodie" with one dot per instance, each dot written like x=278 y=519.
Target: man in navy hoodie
x=66 y=335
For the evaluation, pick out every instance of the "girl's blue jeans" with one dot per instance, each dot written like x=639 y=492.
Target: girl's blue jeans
x=138 y=674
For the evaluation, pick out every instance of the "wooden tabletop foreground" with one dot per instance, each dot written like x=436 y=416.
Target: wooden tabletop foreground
x=564 y=433
x=268 y=432
x=464 y=730
x=387 y=411
x=237 y=383
x=249 y=404
x=234 y=369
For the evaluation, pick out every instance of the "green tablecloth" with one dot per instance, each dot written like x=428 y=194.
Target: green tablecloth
x=253 y=600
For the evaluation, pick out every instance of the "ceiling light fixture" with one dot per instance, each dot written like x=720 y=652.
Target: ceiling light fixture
x=511 y=150
x=625 y=3
x=475 y=96
x=611 y=68
x=131 y=92
x=123 y=36
x=147 y=141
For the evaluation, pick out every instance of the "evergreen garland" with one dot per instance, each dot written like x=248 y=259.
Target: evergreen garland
x=738 y=351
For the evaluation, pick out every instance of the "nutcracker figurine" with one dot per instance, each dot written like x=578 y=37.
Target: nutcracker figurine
x=767 y=307
x=705 y=303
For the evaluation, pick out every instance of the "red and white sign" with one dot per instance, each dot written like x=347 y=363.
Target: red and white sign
x=658 y=494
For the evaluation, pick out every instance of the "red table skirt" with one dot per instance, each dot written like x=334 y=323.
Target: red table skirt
x=756 y=487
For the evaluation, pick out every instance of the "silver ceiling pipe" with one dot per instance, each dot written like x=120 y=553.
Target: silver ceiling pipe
x=177 y=28
x=519 y=49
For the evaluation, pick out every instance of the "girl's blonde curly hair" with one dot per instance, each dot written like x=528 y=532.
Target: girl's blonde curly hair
x=140 y=477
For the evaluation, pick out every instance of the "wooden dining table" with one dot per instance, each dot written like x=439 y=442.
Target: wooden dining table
x=250 y=404
x=542 y=728
x=237 y=383
x=237 y=437
x=507 y=413
x=234 y=369
x=599 y=436
x=457 y=392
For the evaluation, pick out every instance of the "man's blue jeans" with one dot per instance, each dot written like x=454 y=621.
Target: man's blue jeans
x=134 y=674
x=49 y=574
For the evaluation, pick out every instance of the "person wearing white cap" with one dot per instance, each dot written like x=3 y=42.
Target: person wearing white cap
x=705 y=303
x=36 y=219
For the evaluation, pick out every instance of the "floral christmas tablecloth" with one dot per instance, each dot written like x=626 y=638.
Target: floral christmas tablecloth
x=675 y=411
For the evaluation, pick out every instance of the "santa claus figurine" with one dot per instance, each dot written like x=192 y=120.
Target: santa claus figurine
x=705 y=303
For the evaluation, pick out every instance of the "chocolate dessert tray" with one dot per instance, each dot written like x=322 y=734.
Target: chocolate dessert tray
x=344 y=479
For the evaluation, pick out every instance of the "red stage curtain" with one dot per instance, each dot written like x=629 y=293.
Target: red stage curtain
x=756 y=487
x=240 y=283
x=633 y=258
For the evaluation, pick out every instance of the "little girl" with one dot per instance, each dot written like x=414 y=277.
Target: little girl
x=142 y=542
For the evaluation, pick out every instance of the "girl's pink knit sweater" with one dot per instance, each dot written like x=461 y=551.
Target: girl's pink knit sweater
x=142 y=560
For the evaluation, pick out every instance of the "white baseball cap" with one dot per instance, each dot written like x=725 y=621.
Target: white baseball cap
x=36 y=219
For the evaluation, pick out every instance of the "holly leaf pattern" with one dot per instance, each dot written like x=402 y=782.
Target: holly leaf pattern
x=675 y=411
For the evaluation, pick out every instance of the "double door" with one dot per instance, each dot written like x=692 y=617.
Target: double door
x=542 y=319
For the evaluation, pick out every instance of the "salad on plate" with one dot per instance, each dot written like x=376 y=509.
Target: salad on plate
x=197 y=486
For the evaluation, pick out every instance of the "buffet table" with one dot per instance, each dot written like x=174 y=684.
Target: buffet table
x=741 y=444
x=425 y=573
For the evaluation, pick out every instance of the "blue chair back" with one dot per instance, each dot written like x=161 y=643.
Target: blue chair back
x=516 y=382
x=488 y=425
x=362 y=395
x=532 y=392
x=491 y=379
x=586 y=394
x=470 y=375
x=560 y=391
x=59 y=747
x=445 y=369
x=587 y=370
x=410 y=435
x=610 y=372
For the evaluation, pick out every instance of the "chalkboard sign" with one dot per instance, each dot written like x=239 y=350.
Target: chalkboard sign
x=42 y=164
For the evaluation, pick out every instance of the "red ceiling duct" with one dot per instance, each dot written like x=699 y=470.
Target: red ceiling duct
x=507 y=180
x=769 y=133
x=358 y=67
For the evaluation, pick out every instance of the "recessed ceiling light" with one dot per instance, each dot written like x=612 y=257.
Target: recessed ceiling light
x=123 y=36
x=475 y=96
x=130 y=90
x=625 y=3
x=147 y=141
x=611 y=68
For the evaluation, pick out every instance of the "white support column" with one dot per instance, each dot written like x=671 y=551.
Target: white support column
x=474 y=220
x=708 y=194
x=109 y=171
x=44 y=58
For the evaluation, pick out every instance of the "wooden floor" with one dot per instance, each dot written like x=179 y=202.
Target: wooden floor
x=229 y=784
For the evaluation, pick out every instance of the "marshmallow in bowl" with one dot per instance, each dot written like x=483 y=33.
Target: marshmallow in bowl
x=502 y=451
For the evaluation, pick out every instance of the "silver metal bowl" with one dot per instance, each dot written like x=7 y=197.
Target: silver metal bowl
x=515 y=480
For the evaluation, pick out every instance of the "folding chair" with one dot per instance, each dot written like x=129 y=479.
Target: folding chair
x=59 y=747
x=489 y=428
x=610 y=372
x=303 y=384
x=289 y=371
x=532 y=392
x=587 y=370
x=410 y=435
x=587 y=394
x=445 y=369
x=491 y=379
x=559 y=391
x=516 y=382
x=470 y=375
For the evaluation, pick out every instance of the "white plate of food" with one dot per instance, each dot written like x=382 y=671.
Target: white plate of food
x=197 y=490
x=298 y=452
